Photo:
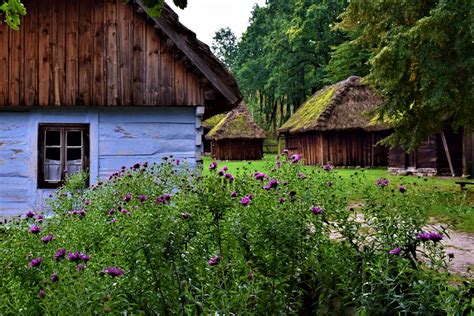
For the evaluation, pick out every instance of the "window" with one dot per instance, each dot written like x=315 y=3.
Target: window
x=62 y=149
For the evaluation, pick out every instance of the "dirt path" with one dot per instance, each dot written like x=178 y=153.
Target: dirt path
x=461 y=245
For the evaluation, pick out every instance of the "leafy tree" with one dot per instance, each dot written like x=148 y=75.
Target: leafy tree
x=421 y=62
x=283 y=53
x=224 y=46
x=11 y=12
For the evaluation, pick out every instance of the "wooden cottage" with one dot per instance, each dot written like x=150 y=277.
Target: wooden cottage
x=447 y=153
x=97 y=84
x=207 y=125
x=237 y=137
x=332 y=126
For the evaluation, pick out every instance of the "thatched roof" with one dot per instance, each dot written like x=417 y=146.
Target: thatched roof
x=342 y=106
x=239 y=124
x=213 y=121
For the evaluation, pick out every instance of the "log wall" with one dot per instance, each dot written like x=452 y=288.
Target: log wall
x=341 y=148
x=92 y=53
x=237 y=149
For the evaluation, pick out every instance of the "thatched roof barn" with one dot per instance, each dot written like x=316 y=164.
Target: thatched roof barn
x=237 y=137
x=333 y=126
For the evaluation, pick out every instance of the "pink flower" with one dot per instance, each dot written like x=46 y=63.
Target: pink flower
x=245 y=200
x=317 y=210
x=34 y=229
x=395 y=251
x=35 y=262
x=213 y=166
x=113 y=271
x=214 y=261
x=47 y=239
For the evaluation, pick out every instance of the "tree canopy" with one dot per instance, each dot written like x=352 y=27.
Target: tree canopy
x=421 y=62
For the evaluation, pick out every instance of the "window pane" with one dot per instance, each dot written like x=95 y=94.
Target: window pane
x=74 y=138
x=72 y=168
x=53 y=138
x=74 y=155
x=53 y=155
x=52 y=173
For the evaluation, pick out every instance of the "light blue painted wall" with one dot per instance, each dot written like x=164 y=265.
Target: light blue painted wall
x=117 y=137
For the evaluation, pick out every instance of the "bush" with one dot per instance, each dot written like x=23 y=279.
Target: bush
x=163 y=239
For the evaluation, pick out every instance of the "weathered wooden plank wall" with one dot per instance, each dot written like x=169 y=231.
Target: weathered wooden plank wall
x=341 y=148
x=92 y=53
x=117 y=137
x=237 y=149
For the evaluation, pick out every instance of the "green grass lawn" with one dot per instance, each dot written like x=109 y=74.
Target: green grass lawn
x=452 y=206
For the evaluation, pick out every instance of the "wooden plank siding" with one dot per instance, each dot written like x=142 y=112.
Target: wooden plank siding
x=237 y=149
x=93 y=53
x=341 y=148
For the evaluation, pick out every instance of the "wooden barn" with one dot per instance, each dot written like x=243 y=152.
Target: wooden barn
x=237 y=137
x=207 y=125
x=97 y=84
x=332 y=126
x=447 y=153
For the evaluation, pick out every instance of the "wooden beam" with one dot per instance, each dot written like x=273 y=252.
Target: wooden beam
x=446 y=150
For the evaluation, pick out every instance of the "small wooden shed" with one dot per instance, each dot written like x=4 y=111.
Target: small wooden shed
x=207 y=125
x=91 y=85
x=447 y=153
x=333 y=126
x=237 y=137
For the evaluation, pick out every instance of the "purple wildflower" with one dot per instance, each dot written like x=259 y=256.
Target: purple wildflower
x=328 y=167
x=233 y=195
x=127 y=198
x=282 y=200
x=301 y=175
x=292 y=196
x=178 y=162
x=113 y=271
x=330 y=184
x=142 y=198
x=185 y=216
x=60 y=254
x=285 y=151
x=260 y=176
x=87 y=202
x=296 y=158
x=402 y=189
x=113 y=220
x=47 y=239
x=30 y=214
x=395 y=251
x=245 y=200
x=80 y=267
x=382 y=182
x=221 y=173
x=317 y=210
x=230 y=177
x=39 y=218
x=225 y=168
x=54 y=278
x=272 y=184
x=435 y=236
x=34 y=229
x=126 y=212
x=35 y=262
x=136 y=166
x=423 y=236
x=42 y=293
x=214 y=261
x=78 y=256
x=111 y=212
x=213 y=166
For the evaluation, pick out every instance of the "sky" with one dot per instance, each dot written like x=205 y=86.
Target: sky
x=205 y=17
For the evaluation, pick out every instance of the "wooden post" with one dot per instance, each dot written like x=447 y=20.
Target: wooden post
x=446 y=150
